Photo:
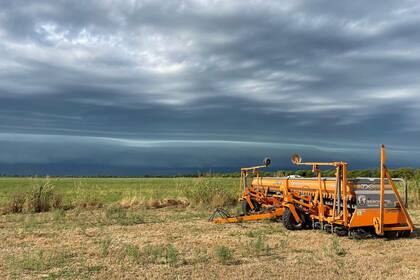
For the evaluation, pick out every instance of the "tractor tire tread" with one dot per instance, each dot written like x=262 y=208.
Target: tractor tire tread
x=289 y=221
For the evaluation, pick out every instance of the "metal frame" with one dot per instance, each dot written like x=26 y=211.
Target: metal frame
x=311 y=201
x=379 y=223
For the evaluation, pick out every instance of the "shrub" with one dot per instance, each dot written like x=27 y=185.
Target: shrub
x=42 y=198
x=224 y=254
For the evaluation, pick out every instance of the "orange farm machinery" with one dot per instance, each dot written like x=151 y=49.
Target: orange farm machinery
x=358 y=207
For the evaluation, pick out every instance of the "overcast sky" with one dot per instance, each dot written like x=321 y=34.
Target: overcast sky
x=135 y=87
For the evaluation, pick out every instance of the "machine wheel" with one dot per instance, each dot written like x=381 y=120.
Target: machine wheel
x=391 y=234
x=405 y=233
x=328 y=228
x=289 y=221
x=307 y=221
x=341 y=231
x=246 y=209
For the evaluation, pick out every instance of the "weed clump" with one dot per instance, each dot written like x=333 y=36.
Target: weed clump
x=224 y=254
x=132 y=252
x=257 y=246
x=260 y=246
x=104 y=246
x=335 y=249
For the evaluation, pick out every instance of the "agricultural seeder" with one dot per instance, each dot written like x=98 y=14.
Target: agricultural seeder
x=358 y=207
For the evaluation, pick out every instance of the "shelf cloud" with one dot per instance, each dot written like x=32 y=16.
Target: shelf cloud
x=131 y=87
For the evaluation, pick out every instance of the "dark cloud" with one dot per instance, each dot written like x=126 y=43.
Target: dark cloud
x=209 y=84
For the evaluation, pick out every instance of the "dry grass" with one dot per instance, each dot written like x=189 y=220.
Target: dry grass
x=135 y=202
x=178 y=243
x=139 y=234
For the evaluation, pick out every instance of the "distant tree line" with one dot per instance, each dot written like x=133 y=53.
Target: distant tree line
x=406 y=173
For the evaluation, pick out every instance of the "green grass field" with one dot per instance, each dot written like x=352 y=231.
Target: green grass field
x=157 y=228
x=112 y=190
x=109 y=189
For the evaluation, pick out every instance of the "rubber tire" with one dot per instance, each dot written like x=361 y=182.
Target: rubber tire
x=289 y=221
x=391 y=234
x=405 y=233
x=341 y=231
x=246 y=209
x=306 y=220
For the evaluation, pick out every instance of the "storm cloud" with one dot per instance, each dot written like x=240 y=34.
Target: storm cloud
x=136 y=87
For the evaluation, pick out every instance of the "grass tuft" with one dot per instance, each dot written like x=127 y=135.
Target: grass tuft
x=132 y=251
x=257 y=246
x=223 y=254
x=104 y=246
x=335 y=249
x=171 y=255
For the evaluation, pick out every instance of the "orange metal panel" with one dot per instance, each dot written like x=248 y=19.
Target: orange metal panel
x=364 y=217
